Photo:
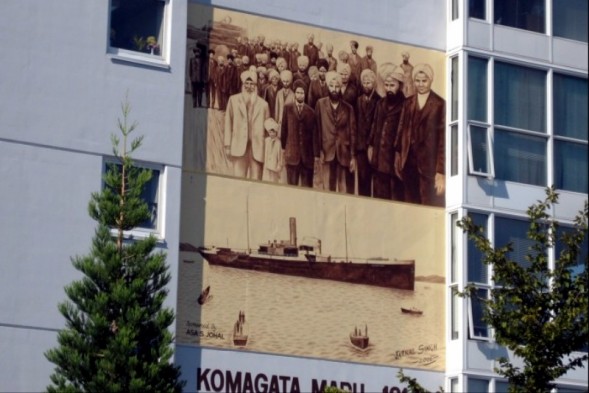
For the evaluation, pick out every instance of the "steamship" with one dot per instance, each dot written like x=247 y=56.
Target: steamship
x=306 y=260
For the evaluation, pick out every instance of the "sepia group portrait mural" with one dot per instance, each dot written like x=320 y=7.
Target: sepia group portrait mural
x=313 y=180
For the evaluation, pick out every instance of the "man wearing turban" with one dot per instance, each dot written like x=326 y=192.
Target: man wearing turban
x=420 y=142
x=336 y=128
x=244 y=128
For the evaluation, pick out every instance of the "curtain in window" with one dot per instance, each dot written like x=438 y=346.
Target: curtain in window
x=570 y=166
x=520 y=158
x=569 y=19
x=520 y=97
x=477 y=89
x=570 y=106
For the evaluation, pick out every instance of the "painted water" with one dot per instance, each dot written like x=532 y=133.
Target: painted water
x=308 y=317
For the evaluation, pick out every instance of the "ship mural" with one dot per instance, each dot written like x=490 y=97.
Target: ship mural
x=239 y=336
x=358 y=338
x=306 y=260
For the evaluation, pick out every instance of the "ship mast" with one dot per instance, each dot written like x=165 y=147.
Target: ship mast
x=346 y=229
x=247 y=221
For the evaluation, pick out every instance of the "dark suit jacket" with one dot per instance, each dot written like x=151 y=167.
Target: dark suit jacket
x=336 y=130
x=316 y=91
x=365 y=109
x=298 y=136
x=384 y=133
x=423 y=133
x=350 y=94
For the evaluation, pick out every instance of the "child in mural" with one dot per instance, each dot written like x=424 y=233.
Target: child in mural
x=272 y=152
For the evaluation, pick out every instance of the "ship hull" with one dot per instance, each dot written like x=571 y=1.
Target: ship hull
x=398 y=274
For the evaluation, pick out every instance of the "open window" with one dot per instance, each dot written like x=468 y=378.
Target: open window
x=480 y=159
x=137 y=26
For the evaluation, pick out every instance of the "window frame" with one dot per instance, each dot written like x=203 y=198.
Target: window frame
x=490 y=172
x=138 y=57
x=144 y=231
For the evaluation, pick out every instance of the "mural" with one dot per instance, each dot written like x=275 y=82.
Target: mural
x=277 y=102
x=313 y=171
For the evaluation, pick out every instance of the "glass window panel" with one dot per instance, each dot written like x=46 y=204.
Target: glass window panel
x=570 y=106
x=569 y=19
x=455 y=85
x=501 y=387
x=476 y=9
x=570 y=166
x=520 y=97
x=456 y=237
x=520 y=158
x=132 y=22
x=477 y=269
x=479 y=327
x=454 y=150
x=508 y=230
x=560 y=247
x=478 y=385
x=454 y=385
x=454 y=9
x=479 y=149
x=455 y=320
x=522 y=14
x=477 y=89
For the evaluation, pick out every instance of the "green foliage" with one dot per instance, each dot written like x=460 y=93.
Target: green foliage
x=116 y=337
x=538 y=313
x=334 y=389
x=412 y=385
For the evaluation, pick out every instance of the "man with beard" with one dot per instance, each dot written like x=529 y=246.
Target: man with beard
x=284 y=95
x=331 y=61
x=367 y=61
x=336 y=128
x=244 y=129
x=381 y=142
x=348 y=89
x=298 y=139
x=365 y=109
x=318 y=88
x=420 y=142
x=222 y=83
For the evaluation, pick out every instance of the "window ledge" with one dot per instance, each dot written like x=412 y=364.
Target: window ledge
x=124 y=56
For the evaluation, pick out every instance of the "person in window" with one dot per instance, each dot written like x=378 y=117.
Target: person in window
x=420 y=142
x=243 y=134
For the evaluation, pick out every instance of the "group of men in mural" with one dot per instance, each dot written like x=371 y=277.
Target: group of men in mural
x=309 y=118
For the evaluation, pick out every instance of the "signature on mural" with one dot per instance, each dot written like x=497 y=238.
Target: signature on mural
x=197 y=329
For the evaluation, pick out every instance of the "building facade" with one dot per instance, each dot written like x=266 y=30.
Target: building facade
x=511 y=83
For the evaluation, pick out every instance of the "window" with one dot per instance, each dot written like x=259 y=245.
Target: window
x=520 y=105
x=455 y=14
x=455 y=320
x=477 y=89
x=514 y=231
x=477 y=269
x=479 y=154
x=455 y=86
x=454 y=150
x=560 y=247
x=454 y=385
x=476 y=9
x=150 y=195
x=570 y=130
x=501 y=387
x=456 y=234
x=477 y=328
x=522 y=14
x=477 y=385
x=569 y=19
x=137 y=25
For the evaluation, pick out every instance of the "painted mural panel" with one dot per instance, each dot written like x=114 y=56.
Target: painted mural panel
x=311 y=225
x=285 y=103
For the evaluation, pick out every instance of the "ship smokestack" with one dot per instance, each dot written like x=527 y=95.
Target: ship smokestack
x=293 y=230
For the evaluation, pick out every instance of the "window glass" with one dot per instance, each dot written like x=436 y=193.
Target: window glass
x=454 y=317
x=569 y=19
x=477 y=89
x=519 y=157
x=455 y=85
x=508 y=230
x=479 y=327
x=522 y=14
x=520 y=97
x=454 y=150
x=456 y=237
x=560 y=247
x=570 y=166
x=137 y=25
x=150 y=195
x=476 y=9
x=501 y=387
x=478 y=385
x=570 y=106
x=454 y=385
x=479 y=148
x=477 y=269
x=454 y=9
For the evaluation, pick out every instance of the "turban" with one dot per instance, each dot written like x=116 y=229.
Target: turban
x=286 y=74
x=323 y=63
x=261 y=69
x=299 y=83
x=333 y=76
x=344 y=66
x=367 y=74
x=273 y=73
x=270 y=124
x=389 y=70
x=302 y=61
x=426 y=69
x=245 y=75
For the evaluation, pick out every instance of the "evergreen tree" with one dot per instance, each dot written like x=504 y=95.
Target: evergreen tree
x=539 y=313
x=116 y=337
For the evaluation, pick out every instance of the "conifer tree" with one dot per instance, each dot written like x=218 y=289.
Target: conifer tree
x=117 y=336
